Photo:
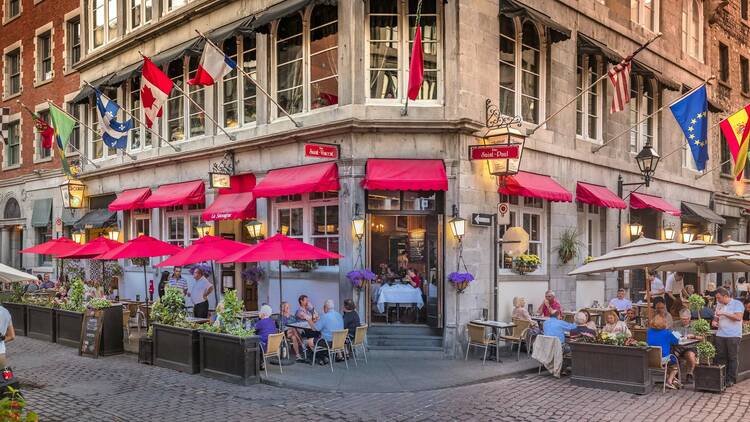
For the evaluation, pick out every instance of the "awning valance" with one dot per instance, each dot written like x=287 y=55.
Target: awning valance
x=70 y=216
x=234 y=203
x=321 y=177
x=588 y=45
x=130 y=199
x=640 y=201
x=512 y=8
x=598 y=195
x=41 y=215
x=190 y=48
x=87 y=91
x=535 y=186
x=185 y=193
x=242 y=26
x=639 y=68
x=395 y=174
x=96 y=219
x=282 y=9
x=702 y=212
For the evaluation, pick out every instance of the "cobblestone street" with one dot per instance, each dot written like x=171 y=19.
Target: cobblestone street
x=62 y=386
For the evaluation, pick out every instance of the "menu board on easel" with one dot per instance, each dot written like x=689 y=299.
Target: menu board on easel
x=91 y=333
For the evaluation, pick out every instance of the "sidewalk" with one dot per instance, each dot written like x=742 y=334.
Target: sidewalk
x=398 y=371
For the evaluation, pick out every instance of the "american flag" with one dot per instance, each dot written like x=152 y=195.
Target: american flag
x=619 y=76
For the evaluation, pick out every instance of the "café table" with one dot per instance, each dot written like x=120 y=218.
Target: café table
x=496 y=327
x=399 y=293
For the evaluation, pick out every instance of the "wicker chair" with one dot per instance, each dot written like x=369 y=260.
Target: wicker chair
x=478 y=337
x=273 y=349
x=358 y=341
x=518 y=336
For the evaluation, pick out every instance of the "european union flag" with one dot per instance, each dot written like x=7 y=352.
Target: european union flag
x=691 y=113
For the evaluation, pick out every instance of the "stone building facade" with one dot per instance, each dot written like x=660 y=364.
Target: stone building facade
x=340 y=68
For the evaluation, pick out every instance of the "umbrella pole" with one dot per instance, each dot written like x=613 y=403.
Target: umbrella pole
x=281 y=296
x=145 y=289
x=216 y=293
x=648 y=297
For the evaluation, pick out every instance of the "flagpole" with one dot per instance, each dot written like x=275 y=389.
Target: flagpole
x=629 y=58
x=405 y=109
x=74 y=148
x=260 y=88
x=208 y=116
x=698 y=176
x=86 y=126
x=137 y=120
x=596 y=149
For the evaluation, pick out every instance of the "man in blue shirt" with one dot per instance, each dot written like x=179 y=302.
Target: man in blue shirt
x=328 y=323
x=728 y=320
x=556 y=327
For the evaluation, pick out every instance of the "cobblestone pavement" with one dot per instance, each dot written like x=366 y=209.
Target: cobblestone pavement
x=62 y=386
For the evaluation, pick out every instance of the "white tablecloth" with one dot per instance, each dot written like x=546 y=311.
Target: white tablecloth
x=399 y=293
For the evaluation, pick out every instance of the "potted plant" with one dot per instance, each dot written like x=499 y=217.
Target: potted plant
x=228 y=351
x=588 y=259
x=69 y=316
x=17 y=308
x=175 y=340
x=40 y=317
x=708 y=377
x=460 y=280
x=360 y=278
x=569 y=246
x=526 y=263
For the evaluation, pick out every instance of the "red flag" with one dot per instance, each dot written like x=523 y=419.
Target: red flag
x=416 y=67
x=45 y=131
x=155 y=89
x=619 y=76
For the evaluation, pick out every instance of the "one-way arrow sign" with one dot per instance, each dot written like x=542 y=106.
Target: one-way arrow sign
x=484 y=220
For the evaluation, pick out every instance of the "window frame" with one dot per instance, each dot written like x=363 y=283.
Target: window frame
x=70 y=45
x=131 y=6
x=403 y=57
x=146 y=138
x=641 y=111
x=39 y=152
x=585 y=100
x=41 y=76
x=17 y=124
x=241 y=84
x=7 y=17
x=166 y=9
x=689 y=32
x=744 y=75
x=106 y=39
x=724 y=73
x=637 y=16
x=186 y=105
x=590 y=219
x=15 y=51
x=518 y=208
x=184 y=212
x=75 y=111
x=95 y=136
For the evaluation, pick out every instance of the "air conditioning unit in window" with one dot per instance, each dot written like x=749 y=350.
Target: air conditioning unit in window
x=48 y=76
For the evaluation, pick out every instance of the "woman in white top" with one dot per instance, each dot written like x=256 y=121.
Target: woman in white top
x=614 y=325
x=520 y=311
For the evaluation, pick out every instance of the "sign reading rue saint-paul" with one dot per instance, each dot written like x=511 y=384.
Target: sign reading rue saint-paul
x=494 y=152
x=322 y=151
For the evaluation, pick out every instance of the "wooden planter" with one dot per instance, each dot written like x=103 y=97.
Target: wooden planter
x=710 y=378
x=40 y=323
x=743 y=370
x=18 y=316
x=176 y=348
x=230 y=358
x=112 y=331
x=68 y=327
x=146 y=350
x=615 y=368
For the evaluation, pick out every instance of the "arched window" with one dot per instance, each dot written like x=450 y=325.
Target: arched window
x=520 y=86
x=12 y=209
x=324 y=43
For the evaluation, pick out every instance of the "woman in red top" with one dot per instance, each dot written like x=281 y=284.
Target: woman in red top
x=414 y=279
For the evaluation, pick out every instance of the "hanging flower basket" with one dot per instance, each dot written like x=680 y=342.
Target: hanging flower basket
x=253 y=275
x=525 y=264
x=359 y=278
x=460 y=280
x=304 y=266
x=207 y=269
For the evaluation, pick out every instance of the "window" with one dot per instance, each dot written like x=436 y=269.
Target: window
x=642 y=106
x=141 y=12
x=588 y=106
x=74 y=41
x=645 y=13
x=13 y=72
x=520 y=86
x=44 y=234
x=723 y=63
x=589 y=222
x=181 y=222
x=236 y=112
x=745 y=75
x=727 y=163
x=181 y=113
x=140 y=223
x=197 y=118
x=103 y=22
x=312 y=218
x=13 y=9
x=324 y=47
x=44 y=57
x=74 y=142
x=98 y=148
x=692 y=28
x=39 y=150
x=390 y=38
x=139 y=136
x=743 y=9
x=170 y=5
x=289 y=63
x=529 y=213
x=13 y=147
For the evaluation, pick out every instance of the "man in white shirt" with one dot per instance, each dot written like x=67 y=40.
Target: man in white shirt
x=7 y=334
x=621 y=303
x=674 y=290
x=728 y=320
x=657 y=286
x=199 y=294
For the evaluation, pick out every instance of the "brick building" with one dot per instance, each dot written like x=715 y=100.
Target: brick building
x=40 y=41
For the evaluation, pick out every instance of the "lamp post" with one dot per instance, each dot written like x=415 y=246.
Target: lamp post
x=203 y=229
x=254 y=229
x=114 y=233
x=635 y=230
x=78 y=236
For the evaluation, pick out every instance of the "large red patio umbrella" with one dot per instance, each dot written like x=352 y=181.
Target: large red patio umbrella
x=92 y=249
x=280 y=248
x=141 y=247
x=53 y=247
x=207 y=248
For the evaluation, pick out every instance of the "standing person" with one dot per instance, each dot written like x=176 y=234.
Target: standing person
x=163 y=282
x=728 y=320
x=199 y=294
x=550 y=304
x=674 y=291
x=177 y=280
x=7 y=334
x=746 y=314
x=742 y=287
x=657 y=286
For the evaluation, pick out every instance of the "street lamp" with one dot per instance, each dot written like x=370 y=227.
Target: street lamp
x=358 y=224
x=687 y=236
x=203 y=229
x=635 y=230
x=647 y=161
x=73 y=193
x=254 y=228
x=114 y=233
x=284 y=229
x=78 y=236
x=669 y=233
x=458 y=225
x=708 y=237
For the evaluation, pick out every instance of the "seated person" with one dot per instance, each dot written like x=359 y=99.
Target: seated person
x=351 y=317
x=413 y=278
x=659 y=335
x=589 y=322
x=520 y=311
x=710 y=290
x=306 y=311
x=746 y=314
x=265 y=325
x=660 y=307
x=690 y=289
x=706 y=312
x=686 y=353
x=582 y=328
x=614 y=325
x=631 y=318
x=621 y=303
x=557 y=327
x=329 y=322
x=291 y=333
x=550 y=304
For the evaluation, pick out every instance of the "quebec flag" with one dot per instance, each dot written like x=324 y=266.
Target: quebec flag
x=114 y=133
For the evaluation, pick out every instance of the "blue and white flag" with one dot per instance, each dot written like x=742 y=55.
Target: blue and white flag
x=114 y=133
x=691 y=113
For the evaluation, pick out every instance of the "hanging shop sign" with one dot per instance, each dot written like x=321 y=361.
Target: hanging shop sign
x=219 y=180
x=73 y=193
x=494 y=152
x=316 y=150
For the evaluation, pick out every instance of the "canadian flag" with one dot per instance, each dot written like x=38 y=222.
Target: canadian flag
x=155 y=89
x=214 y=65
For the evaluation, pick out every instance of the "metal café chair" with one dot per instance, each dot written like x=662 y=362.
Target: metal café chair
x=338 y=345
x=358 y=341
x=273 y=349
x=478 y=337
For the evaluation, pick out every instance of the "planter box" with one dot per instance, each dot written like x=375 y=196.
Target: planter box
x=611 y=367
x=68 y=327
x=743 y=370
x=112 y=331
x=18 y=316
x=710 y=378
x=40 y=323
x=146 y=350
x=230 y=358
x=176 y=348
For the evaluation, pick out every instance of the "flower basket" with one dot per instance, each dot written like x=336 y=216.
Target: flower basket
x=253 y=275
x=460 y=280
x=302 y=266
x=360 y=278
x=525 y=264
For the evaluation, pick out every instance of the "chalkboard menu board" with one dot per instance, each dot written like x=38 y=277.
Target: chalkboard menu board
x=91 y=333
x=416 y=246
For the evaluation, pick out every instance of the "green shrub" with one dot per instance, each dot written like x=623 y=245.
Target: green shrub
x=75 y=298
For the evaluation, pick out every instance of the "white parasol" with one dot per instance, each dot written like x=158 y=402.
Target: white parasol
x=12 y=275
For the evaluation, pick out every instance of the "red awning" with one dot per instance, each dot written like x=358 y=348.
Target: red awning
x=535 y=186
x=185 y=193
x=640 y=201
x=394 y=174
x=130 y=199
x=234 y=203
x=598 y=195
x=320 y=177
